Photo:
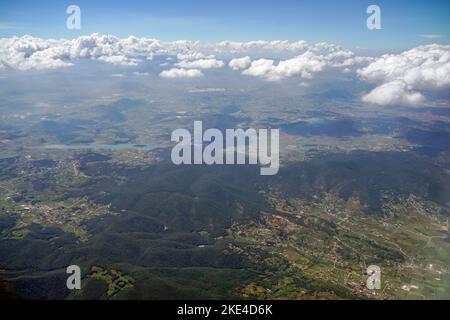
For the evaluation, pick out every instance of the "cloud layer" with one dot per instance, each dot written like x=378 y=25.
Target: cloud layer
x=403 y=78
x=29 y=52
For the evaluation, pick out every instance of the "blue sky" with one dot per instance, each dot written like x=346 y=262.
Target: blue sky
x=340 y=22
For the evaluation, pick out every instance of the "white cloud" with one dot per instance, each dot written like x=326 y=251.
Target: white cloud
x=403 y=76
x=240 y=63
x=28 y=52
x=191 y=56
x=395 y=92
x=304 y=65
x=261 y=68
x=181 y=73
x=201 y=64
x=140 y=74
x=399 y=78
x=120 y=60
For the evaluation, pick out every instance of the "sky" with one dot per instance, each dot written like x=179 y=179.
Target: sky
x=405 y=24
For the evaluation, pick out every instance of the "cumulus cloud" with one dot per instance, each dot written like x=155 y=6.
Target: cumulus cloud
x=302 y=66
x=402 y=77
x=201 y=64
x=314 y=60
x=261 y=68
x=30 y=53
x=181 y=73
x=396 y=92
x=240 y=63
